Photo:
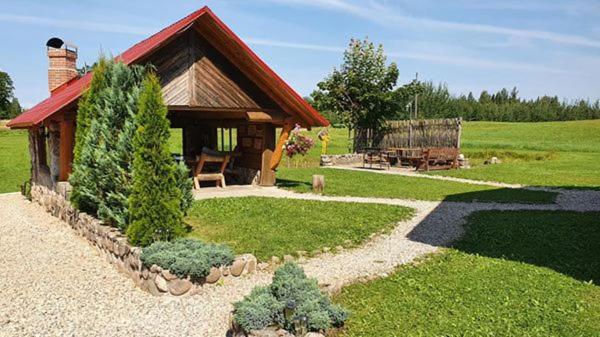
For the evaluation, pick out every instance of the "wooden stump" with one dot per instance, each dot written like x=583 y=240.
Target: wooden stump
x=318 y=183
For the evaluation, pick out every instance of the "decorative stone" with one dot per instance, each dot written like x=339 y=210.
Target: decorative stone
x=179 y=287
x=251 y=265
x=275 y=260
x=266 y=332
x=214 y=275
x=161 y=283
x=288 y=258
x=237 y=267
x=314 y=334
x=263 y=266
x=152 y=288
x=168 y=276
x=225 y=271
x=154 y=268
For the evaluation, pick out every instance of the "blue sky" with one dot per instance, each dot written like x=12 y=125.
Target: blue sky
x=542 y=47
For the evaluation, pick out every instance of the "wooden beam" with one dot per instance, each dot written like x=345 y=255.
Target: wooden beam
x=67 y=135
x=259 y=117
x=285 y=134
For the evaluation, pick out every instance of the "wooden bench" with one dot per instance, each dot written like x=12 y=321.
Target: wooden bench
x=376 y=156
x=440 y=158
x=201 y=172
x=407 y=156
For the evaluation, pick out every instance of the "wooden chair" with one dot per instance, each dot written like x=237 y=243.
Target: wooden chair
x=439 y=159
x=210 y=157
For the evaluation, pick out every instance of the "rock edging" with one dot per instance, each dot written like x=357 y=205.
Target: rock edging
x=126 y=258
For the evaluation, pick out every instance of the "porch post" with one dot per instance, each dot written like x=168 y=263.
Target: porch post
x=267 y=175
x=66 y=149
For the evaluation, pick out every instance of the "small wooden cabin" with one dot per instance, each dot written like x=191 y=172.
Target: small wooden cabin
x=219 y=93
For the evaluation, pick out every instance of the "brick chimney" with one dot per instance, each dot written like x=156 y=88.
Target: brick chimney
x=62 y=59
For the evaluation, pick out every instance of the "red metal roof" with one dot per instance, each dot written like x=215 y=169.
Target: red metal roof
x=70 y=92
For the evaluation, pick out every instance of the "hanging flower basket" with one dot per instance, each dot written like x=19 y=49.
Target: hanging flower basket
x=297 y=143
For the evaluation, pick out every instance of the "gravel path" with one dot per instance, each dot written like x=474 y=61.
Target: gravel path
x=55 y=284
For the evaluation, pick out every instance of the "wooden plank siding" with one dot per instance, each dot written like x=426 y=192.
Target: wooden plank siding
x=195 y=74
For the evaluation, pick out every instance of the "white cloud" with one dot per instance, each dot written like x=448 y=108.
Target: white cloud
x=463 y=61
x=76 y=24
x=381 y=14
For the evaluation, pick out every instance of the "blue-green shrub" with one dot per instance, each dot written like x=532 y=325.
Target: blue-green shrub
x=185 y=257
x=293 y=290
x=258 y=310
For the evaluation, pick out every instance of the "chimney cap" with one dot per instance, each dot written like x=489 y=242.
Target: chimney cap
x=58 y=43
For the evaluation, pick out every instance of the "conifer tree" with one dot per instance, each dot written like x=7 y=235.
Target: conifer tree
x=101 y=176
x=85 y=190
x=155 y=200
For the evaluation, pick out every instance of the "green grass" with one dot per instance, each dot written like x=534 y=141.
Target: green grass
x=14 y=160
x=370 y=184
x=513 y=274
x=560 y=154
x=269 y=227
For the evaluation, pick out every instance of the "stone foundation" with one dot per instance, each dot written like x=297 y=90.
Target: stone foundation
x=126 y=258
x=341 y=159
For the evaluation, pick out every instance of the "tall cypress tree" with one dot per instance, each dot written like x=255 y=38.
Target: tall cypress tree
x=85 y=190
x=101 y=176
x=155 y=200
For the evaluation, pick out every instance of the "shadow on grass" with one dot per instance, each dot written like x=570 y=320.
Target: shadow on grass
x=565 y=241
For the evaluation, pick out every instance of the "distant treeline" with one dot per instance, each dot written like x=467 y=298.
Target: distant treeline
x=435 y=101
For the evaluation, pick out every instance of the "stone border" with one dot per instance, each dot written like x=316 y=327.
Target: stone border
x=341 y=159
x=126 y=258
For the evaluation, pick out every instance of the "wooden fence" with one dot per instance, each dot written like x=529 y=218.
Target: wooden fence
x=424 y=133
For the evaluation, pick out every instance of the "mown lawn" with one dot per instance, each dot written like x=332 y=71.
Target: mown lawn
x=370 y=184
x=269 y=227
x=561 y=154
x=513 y=274
x=14 y=160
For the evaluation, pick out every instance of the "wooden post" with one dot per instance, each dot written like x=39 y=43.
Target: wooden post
x=318 y=183
x=276 y=158
x=267 y=174
x=67 y=136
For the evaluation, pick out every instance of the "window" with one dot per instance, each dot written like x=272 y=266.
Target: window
x=227 y=139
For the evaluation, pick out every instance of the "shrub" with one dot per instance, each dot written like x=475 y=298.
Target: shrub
x=293 y=290
x=156 y=199
x=185 y=184
x=258 y=310
x=185 y=257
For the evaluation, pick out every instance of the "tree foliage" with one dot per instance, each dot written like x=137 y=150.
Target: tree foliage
x=361 y=92
x=435 y=101
x=9 y=105
x=156 y=198
x=102 y=167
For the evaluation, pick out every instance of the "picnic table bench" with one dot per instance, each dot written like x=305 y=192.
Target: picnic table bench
x=440 y=158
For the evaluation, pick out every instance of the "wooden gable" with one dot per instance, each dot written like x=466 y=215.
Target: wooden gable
x=194 y=74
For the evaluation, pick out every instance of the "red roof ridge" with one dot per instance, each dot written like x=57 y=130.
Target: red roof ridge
x=69 y=92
